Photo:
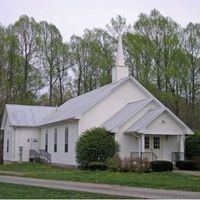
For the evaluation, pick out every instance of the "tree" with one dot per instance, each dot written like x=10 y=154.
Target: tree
x=192 y=146
x=53 y=56
x=95 y=145
x=26 y=33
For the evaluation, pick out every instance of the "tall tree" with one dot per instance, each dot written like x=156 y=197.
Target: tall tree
x=26 y=32
x=51 y=48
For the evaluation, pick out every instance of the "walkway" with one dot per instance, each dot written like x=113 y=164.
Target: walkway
x=193 y=173
x=103 y=188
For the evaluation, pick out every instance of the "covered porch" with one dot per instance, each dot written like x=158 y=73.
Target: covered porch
x=159 y=147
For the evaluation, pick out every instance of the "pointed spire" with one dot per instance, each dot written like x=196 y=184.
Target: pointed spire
x=120 y=54
x=119 y=71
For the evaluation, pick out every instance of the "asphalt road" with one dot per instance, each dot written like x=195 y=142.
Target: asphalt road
x=103 y=188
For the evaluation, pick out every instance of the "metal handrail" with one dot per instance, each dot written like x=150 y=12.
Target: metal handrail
x=41 y=154
x=151 y=156
x=33 y=153
x=176 y=156
x=44 y=154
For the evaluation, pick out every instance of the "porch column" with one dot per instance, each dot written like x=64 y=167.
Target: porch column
x=142 y=142
x=181 y=146
x=139 y=146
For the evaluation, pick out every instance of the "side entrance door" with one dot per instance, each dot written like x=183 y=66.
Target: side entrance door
x=35 y=144
x=154 y=144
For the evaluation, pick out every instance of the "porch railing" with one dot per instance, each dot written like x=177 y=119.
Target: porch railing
x=176 y=156
x=42 y=154
x=45 y=155
x=151 y=156
x=33 y=153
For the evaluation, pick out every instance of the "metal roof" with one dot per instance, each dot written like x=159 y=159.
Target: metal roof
x=124 y=114
x=144 y=121
x=75 y=107
x=27 y=116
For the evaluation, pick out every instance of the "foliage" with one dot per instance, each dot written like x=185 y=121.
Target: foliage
x=129 y=164
x=95 y=145
x=161 y=166
x=187 y=165
x=96 y=166
x=114 y=163
x=192 y=146
x=38 y=67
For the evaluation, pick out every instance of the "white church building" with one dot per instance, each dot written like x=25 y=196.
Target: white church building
x=141 y=124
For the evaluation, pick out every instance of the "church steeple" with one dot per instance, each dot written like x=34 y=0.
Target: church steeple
x=119 y=71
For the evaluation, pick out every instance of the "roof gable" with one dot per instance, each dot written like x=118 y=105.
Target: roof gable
x=124 y=114
x=75 y=107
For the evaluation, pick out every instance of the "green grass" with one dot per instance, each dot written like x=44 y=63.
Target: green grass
x=12 y=191
x=164 y=180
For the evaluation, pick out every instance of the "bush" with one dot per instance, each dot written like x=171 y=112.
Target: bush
x=114 y=163
x=96 y=166
x=130 y=164
x=161 y=165
x=95 y=145
x=192 y=147
x=187 y=165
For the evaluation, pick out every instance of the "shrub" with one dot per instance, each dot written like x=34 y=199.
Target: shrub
x=161 y=165
x=129 y=164
x=114 y=163
x=192 y=147
x=187 y=165
x=95 y=145
x=96 y=166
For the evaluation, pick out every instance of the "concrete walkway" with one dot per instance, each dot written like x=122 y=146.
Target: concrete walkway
x=103 y=188
x=193 y=173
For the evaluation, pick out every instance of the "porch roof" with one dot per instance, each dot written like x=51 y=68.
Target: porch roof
x=144 y=121
x=124 y=114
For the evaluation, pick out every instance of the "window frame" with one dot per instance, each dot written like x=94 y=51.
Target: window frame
x=7 y=146
x=147 y=142
x=46 y=141
x=66 y=141
x=156 y=142
x=55 y=140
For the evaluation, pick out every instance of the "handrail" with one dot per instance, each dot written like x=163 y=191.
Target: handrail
x=176 y=156
x=151 y=156
x=41 y=154
x=33 y=153
x=45 y=154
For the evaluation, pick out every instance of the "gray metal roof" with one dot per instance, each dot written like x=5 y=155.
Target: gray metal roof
x=75 y=107
x=27 y=116
x=124 y=114
x=144 y=121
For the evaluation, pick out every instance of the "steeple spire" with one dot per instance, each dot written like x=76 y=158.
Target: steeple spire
x=119 y=71
x=120 y=54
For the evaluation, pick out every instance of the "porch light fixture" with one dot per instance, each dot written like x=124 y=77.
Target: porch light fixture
x=163 y=121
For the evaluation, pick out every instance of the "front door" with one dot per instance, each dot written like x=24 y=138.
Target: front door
x=154 y=144
x=35 y=144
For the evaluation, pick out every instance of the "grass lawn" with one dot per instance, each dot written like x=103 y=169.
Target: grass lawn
x=12 y=191
x=164 y=180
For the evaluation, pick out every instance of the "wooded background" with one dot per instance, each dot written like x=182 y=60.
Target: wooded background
x=38 y=68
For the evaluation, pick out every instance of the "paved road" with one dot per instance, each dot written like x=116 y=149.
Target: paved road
x=103 y=188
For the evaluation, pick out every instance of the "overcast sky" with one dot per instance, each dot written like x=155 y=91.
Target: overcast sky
x=73 y=16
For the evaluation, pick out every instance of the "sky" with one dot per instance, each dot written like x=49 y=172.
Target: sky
x=73 y=16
